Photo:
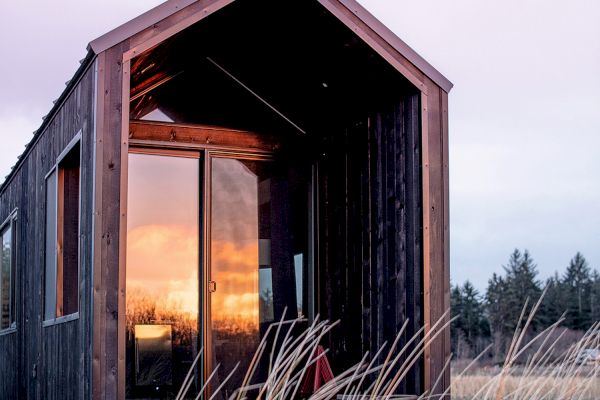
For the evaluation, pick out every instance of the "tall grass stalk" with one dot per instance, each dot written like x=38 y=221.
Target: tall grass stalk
x=536 y=377
x=522 y=376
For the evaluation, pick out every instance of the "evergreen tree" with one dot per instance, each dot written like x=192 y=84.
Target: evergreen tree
x=470 y=324
x=475 y=324
x=577 y=284
x=595 y=297
x=456 y=311
x=507 y=295
x=554 y=303
x=495 y=303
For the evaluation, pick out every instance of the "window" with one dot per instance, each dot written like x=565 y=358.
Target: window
x=7 y=275
x=62 y=236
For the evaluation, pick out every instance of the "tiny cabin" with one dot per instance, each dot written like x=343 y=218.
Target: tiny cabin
x=212 y=164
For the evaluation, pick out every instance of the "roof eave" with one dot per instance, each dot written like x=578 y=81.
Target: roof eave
x=137 y=25
x=390 y=37
x=170 y=7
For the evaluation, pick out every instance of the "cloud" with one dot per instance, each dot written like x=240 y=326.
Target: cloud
x=16 y=130
x=42 y=43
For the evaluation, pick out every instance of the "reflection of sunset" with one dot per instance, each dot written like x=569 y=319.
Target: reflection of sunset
x=152 y=331
x=234 y=246
x=163 y=260
x=162 y=289
x=236 y=274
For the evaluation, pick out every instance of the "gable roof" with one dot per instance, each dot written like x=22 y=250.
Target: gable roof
x=171 y=7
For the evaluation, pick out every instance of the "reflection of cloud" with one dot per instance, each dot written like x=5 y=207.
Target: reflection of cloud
x=234 y=200
x=234 y=247
x=235 y=269
x=163 y=260
x=163 y=190
x=163 y=243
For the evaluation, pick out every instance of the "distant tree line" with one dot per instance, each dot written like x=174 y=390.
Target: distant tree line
x=483 y=319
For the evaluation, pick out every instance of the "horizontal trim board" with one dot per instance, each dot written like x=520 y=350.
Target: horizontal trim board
x=61 y=320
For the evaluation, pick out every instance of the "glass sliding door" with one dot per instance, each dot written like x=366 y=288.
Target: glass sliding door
x=162 y=281
x=253 y=257
x=257 y=259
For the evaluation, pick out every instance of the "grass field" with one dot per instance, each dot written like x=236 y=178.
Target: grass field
x=534 y=367
x=581 y=387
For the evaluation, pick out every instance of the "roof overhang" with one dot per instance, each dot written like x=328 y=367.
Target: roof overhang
x=171 y=7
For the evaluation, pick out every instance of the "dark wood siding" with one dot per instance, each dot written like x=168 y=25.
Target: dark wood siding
x=9 y=349
x=50 y=362
x=370 y=217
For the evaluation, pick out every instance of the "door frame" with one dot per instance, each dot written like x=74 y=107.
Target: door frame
x=154 y=143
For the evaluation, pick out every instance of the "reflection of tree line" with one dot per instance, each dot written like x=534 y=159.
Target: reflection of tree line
x=234 y=340
x=143 y=309
x=266 y=307
x=265 y=303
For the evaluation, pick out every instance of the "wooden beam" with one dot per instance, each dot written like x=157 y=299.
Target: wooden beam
x=98 y=289
x=427 y=382
x=108 y=253
x=446 y=228
x=201 y=135
x=124 y=136
x=436 y=278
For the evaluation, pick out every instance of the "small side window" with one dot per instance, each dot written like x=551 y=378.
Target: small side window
x=62 y=237
x=7 y=275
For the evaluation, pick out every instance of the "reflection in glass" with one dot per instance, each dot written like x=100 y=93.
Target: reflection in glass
x=162 y=274
x=153 y=355
x=258 y=238
x=6 y=294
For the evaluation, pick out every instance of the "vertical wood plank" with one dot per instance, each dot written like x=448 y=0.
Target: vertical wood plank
x=124 y=154
x=436 y=236
x=446 y=234
x=99 y=294
x=426 y=271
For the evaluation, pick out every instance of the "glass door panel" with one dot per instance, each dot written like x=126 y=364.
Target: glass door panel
x=257 y=260
x=162 y=283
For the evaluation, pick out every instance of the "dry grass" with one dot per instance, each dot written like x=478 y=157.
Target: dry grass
x=536 y=377
x=372 y=377
x=542 y=375
x=468 y=387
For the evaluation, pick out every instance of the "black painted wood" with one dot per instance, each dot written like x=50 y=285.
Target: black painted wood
x=370 y=261
x=51 y=362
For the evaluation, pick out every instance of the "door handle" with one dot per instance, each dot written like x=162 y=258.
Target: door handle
x=212 y=286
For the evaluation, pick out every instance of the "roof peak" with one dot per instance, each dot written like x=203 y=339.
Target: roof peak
x=170 y=7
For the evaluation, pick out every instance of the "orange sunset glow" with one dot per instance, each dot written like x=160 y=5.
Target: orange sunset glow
x=236 y=298
x=163 y=255
x=163 y=239
x=163 y=260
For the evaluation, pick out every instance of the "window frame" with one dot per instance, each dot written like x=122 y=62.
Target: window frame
x=55 y=170
x=11 y=223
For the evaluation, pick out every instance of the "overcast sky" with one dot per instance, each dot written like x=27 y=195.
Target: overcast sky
x=524 y=113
